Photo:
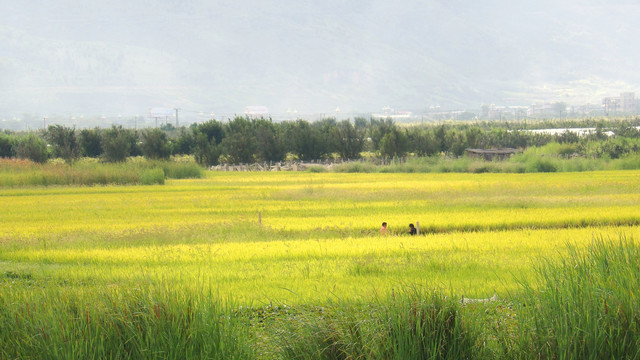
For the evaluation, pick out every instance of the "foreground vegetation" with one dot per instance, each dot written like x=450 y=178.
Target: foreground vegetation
x=185 y=270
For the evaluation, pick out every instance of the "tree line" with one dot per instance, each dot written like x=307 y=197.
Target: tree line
x=245 y=140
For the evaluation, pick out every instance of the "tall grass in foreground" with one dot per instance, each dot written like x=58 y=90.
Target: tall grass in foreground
x=17 y=173
x=112 y=323
x=584 y=307
x=412 y=325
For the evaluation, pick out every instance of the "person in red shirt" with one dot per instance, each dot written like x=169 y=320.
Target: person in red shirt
x=383 y=229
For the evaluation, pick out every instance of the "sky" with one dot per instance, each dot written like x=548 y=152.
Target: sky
x=311 y=57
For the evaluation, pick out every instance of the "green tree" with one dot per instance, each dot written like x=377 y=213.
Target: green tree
x=185 y=143
x=208 y=137
x=360 y=123
x=205 y=150
x=213 y=129
x=474 y=136
x=268 y=144
x=33 y=148
x=63 y=141
x=328 y=137
x=90 y=141
x=422 y=142
x=155 y=144
x=349 y=141
x=116 y=143
x=393 y=143
x=439 y=134
x=239 y=143
x=303 y=140
x=7 y=145
x=378 y=129
x=455 y=142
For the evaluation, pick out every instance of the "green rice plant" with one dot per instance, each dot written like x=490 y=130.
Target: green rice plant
x=541 y=165
x=585 y=306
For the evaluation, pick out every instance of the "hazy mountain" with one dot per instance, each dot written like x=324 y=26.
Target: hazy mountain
x=94 y=57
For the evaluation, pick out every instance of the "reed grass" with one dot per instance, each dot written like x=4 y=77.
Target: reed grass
x=23 y=173
x=531 y=161
x=585 y=305
x=149 y=321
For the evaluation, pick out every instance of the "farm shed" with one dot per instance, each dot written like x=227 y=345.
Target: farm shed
x=491 y=154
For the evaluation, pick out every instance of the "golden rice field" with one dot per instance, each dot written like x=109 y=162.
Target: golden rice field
x=318 y=239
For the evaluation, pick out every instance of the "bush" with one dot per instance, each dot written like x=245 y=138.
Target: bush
x=541 y=165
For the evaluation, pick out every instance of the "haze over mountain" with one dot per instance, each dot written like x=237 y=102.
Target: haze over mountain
x=97 y=57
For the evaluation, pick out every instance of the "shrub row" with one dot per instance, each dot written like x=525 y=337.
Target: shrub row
x=245 y=140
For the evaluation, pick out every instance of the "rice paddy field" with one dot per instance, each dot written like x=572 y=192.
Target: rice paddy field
x=73 y=259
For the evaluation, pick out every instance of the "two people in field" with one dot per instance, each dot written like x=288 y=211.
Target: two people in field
x=384 y=231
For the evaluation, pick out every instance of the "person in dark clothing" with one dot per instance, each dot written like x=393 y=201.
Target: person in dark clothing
x=412 y=230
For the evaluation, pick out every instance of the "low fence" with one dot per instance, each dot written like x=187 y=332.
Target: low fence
x=300 y=165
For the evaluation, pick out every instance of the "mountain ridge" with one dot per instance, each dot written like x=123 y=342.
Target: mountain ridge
x=125 y=57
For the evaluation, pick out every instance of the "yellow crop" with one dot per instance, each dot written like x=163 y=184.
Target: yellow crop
x=319 y=234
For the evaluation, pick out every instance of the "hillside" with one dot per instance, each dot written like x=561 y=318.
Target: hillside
x=123 y=57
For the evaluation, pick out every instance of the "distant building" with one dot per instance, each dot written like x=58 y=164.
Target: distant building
x=587 y=109
x=625 y=103
x=540 y=110
x=389 y=113
x=628 y=103
x=256 y=111
x=494 y=112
